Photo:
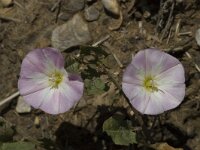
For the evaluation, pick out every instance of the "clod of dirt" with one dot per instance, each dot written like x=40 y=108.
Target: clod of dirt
x=74 y=5
x=6 y=3
x=22 y=106
x=197 y=36
x=91 y=13
x=112 y=6
x=73 y=33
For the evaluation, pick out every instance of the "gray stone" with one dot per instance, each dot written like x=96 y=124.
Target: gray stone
x=73 y=33
x=22 y=106
x=91 y=13
x=197 y=36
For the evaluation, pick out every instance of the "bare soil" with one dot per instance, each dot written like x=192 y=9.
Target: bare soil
x=167 y=25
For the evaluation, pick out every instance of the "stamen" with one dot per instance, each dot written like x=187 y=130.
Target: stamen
x=150 y=84
x=55 y=79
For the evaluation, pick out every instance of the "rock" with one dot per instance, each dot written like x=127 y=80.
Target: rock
x=64 y=16
x=164 y=146
x=6 y=3
x=73 y=33
x=22 y=106
x=91 y=13
x=197 y=36
x=74 y=6
x=112 y=6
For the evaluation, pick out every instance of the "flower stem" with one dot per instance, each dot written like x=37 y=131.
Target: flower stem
x=137 y=115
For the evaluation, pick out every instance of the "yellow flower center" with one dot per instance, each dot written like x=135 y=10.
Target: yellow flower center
x=55 y=79
x=149 y=84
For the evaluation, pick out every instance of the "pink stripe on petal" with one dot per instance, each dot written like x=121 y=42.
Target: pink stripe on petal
x=139 y=61
x=141 y=100
x=74 y=77
x=177 y=90
x=65 y=103
x=28 y=86
x=166 y=100
x=170 y=76
x=41 y=61
x=30 y=68
x=70 y=95
x=168 y=62
x=73 y=90
x=51 y=102
x=131 y=90
x=54 y=55
x=133 y=75
x=37 y=98
x=63 y=98
x=154 y=105
x=154 y=58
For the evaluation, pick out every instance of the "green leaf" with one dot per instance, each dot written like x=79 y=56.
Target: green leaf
x=73 y=67
x=87 y=50
x=18 y=146
x=119 y=130
x=95 y=86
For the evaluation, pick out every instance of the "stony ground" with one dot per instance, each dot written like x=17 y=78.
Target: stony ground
x=168 y=25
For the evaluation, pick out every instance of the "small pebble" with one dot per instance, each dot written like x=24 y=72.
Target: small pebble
x=91 y=13
x=112 y=6
x=197 y=36
x=22 y=106
x=37 y=121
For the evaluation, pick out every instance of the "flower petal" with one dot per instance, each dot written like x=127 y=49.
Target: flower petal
x=133 y=75
x=156 y=61
x=37 y=98
x=140 y=100
x=69 y=95
x=54 y=56
x=154 y=106
x=63 y=98
x=38 y=72
x=177 y=90
x=131 y=90
x=51 y=104
x=170 y=76
x=41 y=61
x=30 y=85
x=73 y=90
x=161 y=101
x=167 y=74
x=139 y=61
x=74 y=77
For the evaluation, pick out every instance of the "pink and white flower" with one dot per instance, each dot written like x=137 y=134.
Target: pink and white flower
x=45 y=84
x=154 y=82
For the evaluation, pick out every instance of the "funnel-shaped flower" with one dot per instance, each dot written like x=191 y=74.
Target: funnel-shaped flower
x=154 y=82
x=45 y=84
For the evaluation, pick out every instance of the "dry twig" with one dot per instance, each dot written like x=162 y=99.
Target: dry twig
x=190 y=57
x=169 y=22
x=106 y=44
x=9 y=19
x=8 y=99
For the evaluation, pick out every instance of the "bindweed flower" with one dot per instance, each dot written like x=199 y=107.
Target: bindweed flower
x=154 y=82
x=45 y=84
